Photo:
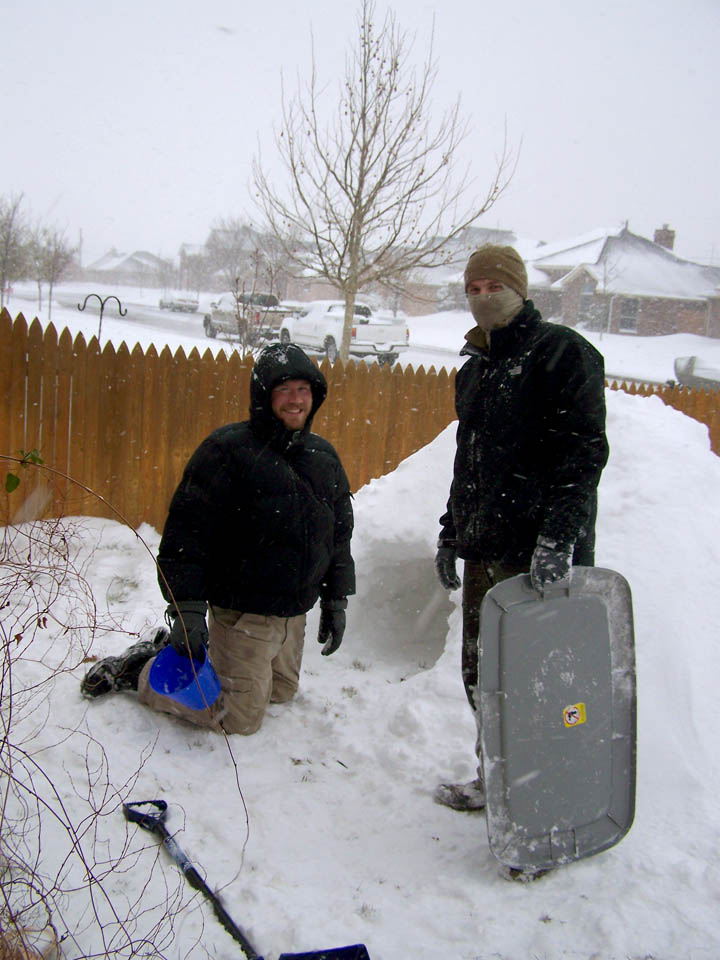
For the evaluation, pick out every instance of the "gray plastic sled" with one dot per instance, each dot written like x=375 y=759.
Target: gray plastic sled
x=558 y=710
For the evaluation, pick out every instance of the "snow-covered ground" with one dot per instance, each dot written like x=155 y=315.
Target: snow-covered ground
x=626 y=357
x=320 y=830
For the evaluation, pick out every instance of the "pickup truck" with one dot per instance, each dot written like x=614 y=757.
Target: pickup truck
x=260 y=314
x=319 y=327
x=183 y=304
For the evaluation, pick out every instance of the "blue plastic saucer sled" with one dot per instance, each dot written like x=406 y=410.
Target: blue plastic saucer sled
x=155 y=823
x=193 y=683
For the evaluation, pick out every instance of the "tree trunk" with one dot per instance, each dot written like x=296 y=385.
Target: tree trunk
x=350 y=287
x=350 y=296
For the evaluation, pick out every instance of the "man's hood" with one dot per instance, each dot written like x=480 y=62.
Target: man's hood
x=275 y=364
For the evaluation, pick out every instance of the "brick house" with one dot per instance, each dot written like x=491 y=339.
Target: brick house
x=618 y=282
x=609 y=280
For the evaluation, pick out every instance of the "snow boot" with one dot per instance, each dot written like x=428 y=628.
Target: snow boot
x=123 y=672
x=461 y=796
x=521 y=876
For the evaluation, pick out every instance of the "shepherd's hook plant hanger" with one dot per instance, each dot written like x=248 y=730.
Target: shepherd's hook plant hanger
x=111 y=296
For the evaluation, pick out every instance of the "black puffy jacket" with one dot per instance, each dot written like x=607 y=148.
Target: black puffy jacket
x=531 y=443
x=262 y=519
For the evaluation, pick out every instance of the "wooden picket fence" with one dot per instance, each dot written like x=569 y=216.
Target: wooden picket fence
x=701 y=405
x=115 y=427
x=122 y=423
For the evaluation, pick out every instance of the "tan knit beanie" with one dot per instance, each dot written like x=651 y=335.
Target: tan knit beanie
x=492 y=262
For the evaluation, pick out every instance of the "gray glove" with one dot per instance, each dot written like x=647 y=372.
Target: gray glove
x=188 y=631
x=332 y=624
x=445 y=565
x=550 y=563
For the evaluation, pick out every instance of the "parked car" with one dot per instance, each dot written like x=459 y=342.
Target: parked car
x=319 y=327
x=696 y=373
x=249 y=316
x=183 y=304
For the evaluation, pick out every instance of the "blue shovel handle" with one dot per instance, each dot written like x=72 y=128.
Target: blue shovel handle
x=155 y=823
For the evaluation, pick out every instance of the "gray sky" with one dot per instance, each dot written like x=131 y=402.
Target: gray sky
x=136 y=122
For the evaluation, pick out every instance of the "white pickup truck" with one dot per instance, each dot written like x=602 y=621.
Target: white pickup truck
x=319 y=326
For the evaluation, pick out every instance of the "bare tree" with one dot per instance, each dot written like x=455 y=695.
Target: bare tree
x=43 y=590
x=272 y=265
x=50 y=257
x=373 y=194
x=195 y=272
x=610 y=271
x=13 y=242
x=166 y=274
x=253 y=267
x=229 y=247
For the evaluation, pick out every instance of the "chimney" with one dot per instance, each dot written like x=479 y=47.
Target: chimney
x=665 y=237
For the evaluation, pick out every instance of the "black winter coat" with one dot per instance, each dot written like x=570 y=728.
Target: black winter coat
x=262 y=519
x=531 y=444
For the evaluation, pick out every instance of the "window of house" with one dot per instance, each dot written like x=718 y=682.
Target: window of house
x=628 y=316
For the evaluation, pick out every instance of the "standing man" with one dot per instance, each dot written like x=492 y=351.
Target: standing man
x=257 y=530
x=531 y=447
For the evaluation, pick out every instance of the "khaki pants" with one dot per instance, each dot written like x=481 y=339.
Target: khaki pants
x=257 y=660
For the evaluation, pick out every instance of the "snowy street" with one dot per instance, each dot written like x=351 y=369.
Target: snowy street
x=435 y=339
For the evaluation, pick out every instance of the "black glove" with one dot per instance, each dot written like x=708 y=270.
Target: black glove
x=188 y=616
x=332 y=624
x=445 y=566
x=550 y=562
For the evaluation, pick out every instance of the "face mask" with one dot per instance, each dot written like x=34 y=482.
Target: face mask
x=492 y=310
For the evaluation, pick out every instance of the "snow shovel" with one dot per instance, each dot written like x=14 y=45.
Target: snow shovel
x=155 y=823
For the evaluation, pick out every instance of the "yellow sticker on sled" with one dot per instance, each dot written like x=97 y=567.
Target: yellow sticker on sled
x=574 y=715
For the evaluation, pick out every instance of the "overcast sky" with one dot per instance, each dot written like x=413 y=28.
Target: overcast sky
x=136 y=122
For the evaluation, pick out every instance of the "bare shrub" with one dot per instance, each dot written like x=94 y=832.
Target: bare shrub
x=48 y=622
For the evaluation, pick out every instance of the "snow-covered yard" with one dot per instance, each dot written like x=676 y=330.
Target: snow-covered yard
x=320 y=830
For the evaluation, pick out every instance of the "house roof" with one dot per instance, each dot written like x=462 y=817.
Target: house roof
x=585 y=248
x=191 y=249
x=126 y=262
x=108 y=262
x=622 y=262
x=619 y=261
